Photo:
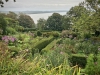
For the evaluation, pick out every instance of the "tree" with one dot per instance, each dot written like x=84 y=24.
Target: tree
x=93 y=4
x=66 y=22
x=2 y=14
x=2 y=2
x=84 y=21
x=41 y=24
x=75 y=12
x=12 y=15
x=54 y=22
x=26 y=21
x=80 y=19
x=3 y=24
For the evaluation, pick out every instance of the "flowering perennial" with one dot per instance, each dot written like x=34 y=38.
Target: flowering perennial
x=9 y=39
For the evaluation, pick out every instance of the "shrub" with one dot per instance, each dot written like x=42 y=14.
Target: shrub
x=60 y=41
x=29 y=29
x=68 y=34
x=55 y=34
x=9 y=39
x=87 y=35
x=39 y=33
x=86 y=47
x=0 y=31
x=22 y=37
x=46 y=34
x=65 y=33
x=41 y=44
x=50 y=46
x=93 y=66
x=79 y=60
x=95 y=39
x=0 y=37
x=11 y=30
x=14 y=50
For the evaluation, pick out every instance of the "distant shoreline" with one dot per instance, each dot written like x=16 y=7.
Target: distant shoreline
x=34 y=12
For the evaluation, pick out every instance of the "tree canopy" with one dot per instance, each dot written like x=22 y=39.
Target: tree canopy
x=85 y=17
x=54 y=22
x=3 y=25
x=41 y=24
x=2 y=2
x=26 y=21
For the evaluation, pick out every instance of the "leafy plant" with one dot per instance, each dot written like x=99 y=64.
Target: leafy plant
x=93 y=67
x=9 y=39
x=39 y=33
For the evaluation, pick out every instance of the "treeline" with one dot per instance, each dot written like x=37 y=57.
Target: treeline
x=11 y=22
x=83 y=19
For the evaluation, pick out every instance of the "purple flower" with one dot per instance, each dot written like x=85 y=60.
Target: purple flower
x=8 y=39
x=12 y=39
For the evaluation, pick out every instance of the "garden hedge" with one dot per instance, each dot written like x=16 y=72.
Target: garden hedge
x=29 y=29
x=77 y=59
x=49 y=46
x=41 y=44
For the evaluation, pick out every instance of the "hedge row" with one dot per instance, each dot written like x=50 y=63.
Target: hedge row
x=50 y=46
x=77 y=59
x=38 y=46
x=28 y=29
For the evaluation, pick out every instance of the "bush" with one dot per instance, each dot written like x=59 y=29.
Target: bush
x=79 y=60
x=47 y=34
x=29 y=29
x=87 y=35
x=95 y=39
x=55 y=34
x=11 y=30
x=14 y=50
x=50 y=46
x=0 y=31
x=65 y=33
x=92 y=66
x=86 y=47
x=68 y=34
x=9 y=40
x=0 y=37
x=41 y=44
x=39 y=33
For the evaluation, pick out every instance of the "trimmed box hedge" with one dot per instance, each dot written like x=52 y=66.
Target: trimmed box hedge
x=49 y=46
x=77 y=59
x=29 y=29
x=41 y=44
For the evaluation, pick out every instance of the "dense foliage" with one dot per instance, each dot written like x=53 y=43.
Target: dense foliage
x=61 y=45
x=54 y=22
x=26 y=21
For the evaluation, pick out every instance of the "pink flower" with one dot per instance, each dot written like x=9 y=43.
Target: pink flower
x=8 y=39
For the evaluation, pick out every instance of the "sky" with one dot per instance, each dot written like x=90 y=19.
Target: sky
x=33 y=5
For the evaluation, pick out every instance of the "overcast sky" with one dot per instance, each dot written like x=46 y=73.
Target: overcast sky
x=28 y=5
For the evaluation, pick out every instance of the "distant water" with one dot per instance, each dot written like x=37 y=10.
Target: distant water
x=36 y=17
